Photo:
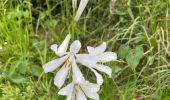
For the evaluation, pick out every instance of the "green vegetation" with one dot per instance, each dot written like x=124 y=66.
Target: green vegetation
x=137 y=30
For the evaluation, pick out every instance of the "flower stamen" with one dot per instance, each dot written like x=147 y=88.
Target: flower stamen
x=77 y=86
x=67 y=63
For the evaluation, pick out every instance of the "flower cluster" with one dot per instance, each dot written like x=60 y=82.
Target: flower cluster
x=79 y=88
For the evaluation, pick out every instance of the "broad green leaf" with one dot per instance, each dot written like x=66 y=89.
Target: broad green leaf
x=132 y=61
x=14 y=66
x=134 y=58
x=123 y=51
x=16 y=78
x=36 y=70
x=139 y=52
x=23 y=67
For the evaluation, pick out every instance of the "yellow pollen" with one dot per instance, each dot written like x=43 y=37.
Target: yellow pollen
x=67 y=63
x=77 y=86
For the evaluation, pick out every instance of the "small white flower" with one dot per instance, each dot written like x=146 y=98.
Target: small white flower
x=68 y=62
x=81 y=8
x=80 y=91
x=97 y=55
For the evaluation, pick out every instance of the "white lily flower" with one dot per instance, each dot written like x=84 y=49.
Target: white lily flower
x=80 y=91
x=81 y=8
x=67 y=62
x=97 y=55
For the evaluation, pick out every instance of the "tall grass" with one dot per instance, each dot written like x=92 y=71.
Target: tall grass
x=138 y=30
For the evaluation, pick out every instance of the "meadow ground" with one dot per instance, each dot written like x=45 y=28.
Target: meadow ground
x=137 y=30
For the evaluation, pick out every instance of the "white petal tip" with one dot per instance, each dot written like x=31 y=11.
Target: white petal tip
x=54 y=47
x=68 y=35
x=115 y=56
x=45 y=68
x=104 y=43
x=75 y=46
x=57 y=85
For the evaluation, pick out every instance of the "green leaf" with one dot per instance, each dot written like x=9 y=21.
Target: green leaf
x=51 y=23
x=116 y=69
x=36 y=70
x=132 y=61
x=139 y=52
x=123 y=51
x=16 y=78
x=134 y=58
x=23 y=67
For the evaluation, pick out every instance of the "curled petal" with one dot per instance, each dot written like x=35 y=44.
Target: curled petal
x=64 y=45
x=54 y=47
x=90 y=49
x=61 y=76
x=52 y=65
x=107 y=57
x=98 y=50
x=75 y=46
x=98 y=76
x=103 y=68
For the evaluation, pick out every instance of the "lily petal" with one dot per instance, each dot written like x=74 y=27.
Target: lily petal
x=98 y=76
x=73 y=96
x=54 y=47
x=75 y=46
x=77 y=75
x=81 y=8
x=107 y=57
x=103 y=68
x=90 y=86
x=66 y=90
x=90 y=94
x=98 y=50
x=64 y=45
x=61 y=76
x=80 y=95
x=52 y=65
x=86 y=60
x=90 y=49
